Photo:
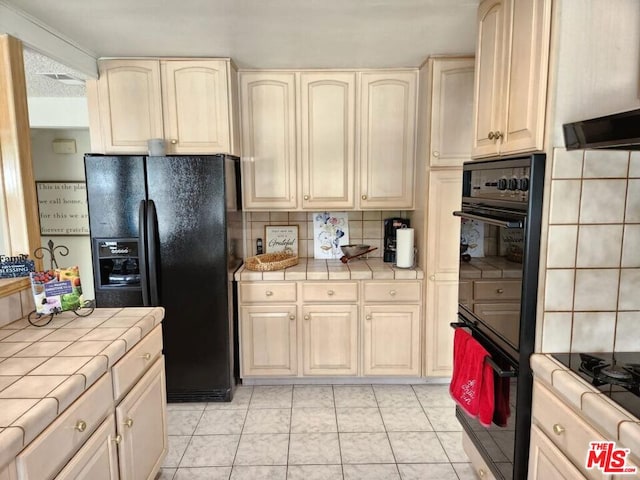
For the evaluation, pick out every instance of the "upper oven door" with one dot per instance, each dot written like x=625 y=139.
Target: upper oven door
x=491 y=271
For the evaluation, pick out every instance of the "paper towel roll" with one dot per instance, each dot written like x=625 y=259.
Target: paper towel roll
x=404 y=247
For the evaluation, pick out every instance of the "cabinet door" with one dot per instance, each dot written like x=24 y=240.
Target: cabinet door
x=268 y=140
x=327 y=106
x=489 y=89
x=141 y=423
x=97 y=459
x=442 y=266
x=528 y=68
x=330 y=339
x=268 y=340
x=130 y=104
x=451 y=111
x=387 y=139
x=196 y=106
x=391 y=340
x=546 y=461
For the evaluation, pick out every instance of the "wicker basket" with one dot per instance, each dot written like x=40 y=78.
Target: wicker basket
x=267 y=262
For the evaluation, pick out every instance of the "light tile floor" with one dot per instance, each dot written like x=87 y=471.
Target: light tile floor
x=324 y=432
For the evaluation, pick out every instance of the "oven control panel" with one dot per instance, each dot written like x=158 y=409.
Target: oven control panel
x=501 y=184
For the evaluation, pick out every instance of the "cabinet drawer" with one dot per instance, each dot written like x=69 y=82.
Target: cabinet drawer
x=330 y=292
x=392 y=292
x=564 y=428
x=497 y=290
x=263 y=292
x=137 y=361
x=52 y=449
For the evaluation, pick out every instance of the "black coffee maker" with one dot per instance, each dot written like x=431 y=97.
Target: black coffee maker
x=390 y=227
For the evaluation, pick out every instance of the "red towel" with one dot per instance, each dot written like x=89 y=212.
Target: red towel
x=472 y=381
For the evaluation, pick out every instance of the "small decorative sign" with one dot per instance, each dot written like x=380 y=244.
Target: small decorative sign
x=279 y=238
x=16 y=266
x=63 y=208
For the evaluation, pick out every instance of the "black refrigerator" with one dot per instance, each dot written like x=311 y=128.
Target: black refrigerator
x=167 y=231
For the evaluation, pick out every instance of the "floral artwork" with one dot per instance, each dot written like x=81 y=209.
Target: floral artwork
x=472 y=236
x=330 y=230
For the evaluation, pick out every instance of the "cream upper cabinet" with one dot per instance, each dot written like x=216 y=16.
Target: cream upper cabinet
x=196 y=106
x=451 y=111
x=269 y=160
x=327 y=137
x=387 y=139
x=442 y=265
x=512 y=59
x=188 y=103
x=130 y=105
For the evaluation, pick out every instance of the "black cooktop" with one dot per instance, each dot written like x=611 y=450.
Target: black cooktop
x=617 y=375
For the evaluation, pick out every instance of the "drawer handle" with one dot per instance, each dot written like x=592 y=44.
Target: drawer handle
x=392 y=293
x=368 y=317
x=432 y=278
x=306 y=197
x=491 y=135
x=117 y=439
x=307 y=317
x=174 y=141
x=129 y=422
x=292 y=317
x=481 y=473
x=81 y=425
x=268 y=293
x=364 y=197
x=436 y=153
x=331 y=293
x=499 y=290
x=146 y=356
x=558 y=429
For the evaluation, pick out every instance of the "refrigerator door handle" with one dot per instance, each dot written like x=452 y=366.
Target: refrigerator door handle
x=142 y=252
x=152 y=243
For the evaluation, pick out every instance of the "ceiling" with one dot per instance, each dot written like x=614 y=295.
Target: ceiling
x=265 y=33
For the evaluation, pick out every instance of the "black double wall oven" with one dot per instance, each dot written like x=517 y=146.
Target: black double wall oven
x=498 y=286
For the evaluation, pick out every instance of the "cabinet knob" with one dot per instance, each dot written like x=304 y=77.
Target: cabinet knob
x=146 y=356
x=292 y=317
x=331 y=293
x=436 y=153
x=558 y=429
x=499 y=290
x=364 y=197
x=432 y=278
x=307 y=317
x=491 y=135
x=498 y=135
x=81 y=425
x=268 y=293
x=481 y=473
x=129 y=422
x=368 y=317
x=174 y=141
x=117 y=439
x=392 y=293
x=306 y=197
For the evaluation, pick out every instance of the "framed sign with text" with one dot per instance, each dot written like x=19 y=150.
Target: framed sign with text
x=278 y=238
x=62 y=208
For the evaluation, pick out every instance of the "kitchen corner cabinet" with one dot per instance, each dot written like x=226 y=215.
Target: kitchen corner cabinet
x=269 y=159
x=387 y=139
x=512 y=59
x=442 y=265
x=189 y=103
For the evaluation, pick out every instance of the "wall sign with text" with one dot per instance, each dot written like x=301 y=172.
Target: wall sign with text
x=63 y=208
x=278 y=238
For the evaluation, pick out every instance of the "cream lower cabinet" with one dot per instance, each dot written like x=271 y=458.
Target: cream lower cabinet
x=97 y=459
x=546 y=461
x=141 y=426
x=268 y=340
x=9 y=472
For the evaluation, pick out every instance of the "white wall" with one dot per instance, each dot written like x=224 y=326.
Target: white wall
x=50 y=166
x=58 y=112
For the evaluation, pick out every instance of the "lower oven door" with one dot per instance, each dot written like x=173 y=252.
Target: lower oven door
x=498 y=442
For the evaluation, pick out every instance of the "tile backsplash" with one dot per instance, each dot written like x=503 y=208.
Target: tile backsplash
x=364 y=227
x=591 y=299
x=15 y=306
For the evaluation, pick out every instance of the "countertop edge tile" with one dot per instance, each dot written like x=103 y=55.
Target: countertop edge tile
x=11 y=442
x=570 y=387
x=603 y=412
x=543 y=367
x=37 y=418
x=629 y=437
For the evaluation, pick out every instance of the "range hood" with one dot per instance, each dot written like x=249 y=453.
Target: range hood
x=619 y=131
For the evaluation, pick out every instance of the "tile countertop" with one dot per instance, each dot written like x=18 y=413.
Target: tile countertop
x=43 y=370
x=357 y=269
x=611 y=420
x=490 y=267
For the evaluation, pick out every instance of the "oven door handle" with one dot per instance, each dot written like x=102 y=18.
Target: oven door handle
x=496 y=368
x=490 y=220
